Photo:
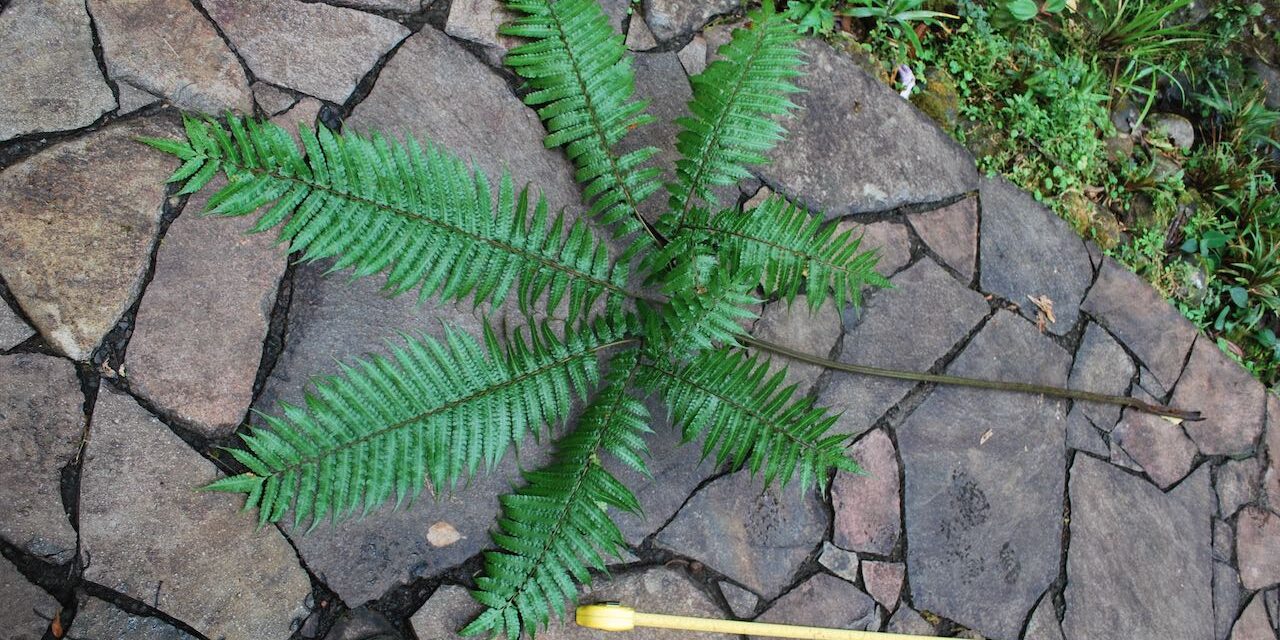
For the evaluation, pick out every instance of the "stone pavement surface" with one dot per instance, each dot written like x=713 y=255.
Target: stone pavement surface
x=135 y=337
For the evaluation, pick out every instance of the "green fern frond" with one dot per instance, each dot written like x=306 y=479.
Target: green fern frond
x=791 y=249
x=735 y=405
x=736 y=102
x=433 y=411
x=582 y=84
x=553 y=531
x=422 y=216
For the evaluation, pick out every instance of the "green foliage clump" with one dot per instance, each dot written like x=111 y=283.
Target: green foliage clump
x=663 y=318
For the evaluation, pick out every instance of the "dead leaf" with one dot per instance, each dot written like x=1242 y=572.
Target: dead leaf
x=1045 y=314
x=985 y=437
x=442 y=534
x=55 y=625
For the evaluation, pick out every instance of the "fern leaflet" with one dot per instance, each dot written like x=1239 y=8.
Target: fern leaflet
x=732 y=402
x=433 y=411
x=553 y=530
x=423 y=216
x=582 y=84
x=735 y=104
x=706 y=307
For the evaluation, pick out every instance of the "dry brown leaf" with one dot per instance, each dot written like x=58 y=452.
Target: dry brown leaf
x=442 y=534
x=985 y=437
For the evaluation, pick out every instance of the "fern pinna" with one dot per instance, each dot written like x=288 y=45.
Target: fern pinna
x=665 y=318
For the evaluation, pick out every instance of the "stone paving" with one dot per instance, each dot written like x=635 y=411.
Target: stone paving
x=135 y=337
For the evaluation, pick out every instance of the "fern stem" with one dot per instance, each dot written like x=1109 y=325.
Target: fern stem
x=597 y=127
x=977 y=383
x=405 y=213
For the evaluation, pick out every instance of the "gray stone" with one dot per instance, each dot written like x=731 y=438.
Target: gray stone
x=984 y=482
x=1258 y=548
x=1044 y=623
x=167 y=48
x=1121 y=458
x=1139 y=564
x=449 y=609
x=839 y=561
x=925 y=296
x=1253 y=623
x=273 y=100
x=1158 y=445
x=27 y=609
x=742 y=602
x=51 y=79
x=1232 y=402
x=197 y=338
x=825 y=601
x=639 y=36
x=79 y=220
x=794 y=326
x=397 y=6
x=1239 y=482
x=1101 y=366
x=887 y=238
x=1175 y=127
x=906 y=621
x=41 y=422
x=661 y=81
x=478 y=21
x=1135 y=314
x=951 y=232
x=99 y=620
x=868 y=509
x=132 y=98
x=141 y=518
x=318 y=49
x=1226 y=598
x=418 y=94
x=1083 y=436
x=755 y=536
x=887 y=154
x=655 y=589
x=676 y=469
x=693 y=57
x=1027 y=251
x=673 y=20
x=362 y=623
x=883 y=581
x=13 y=331
x=1224 y=541
x=1148 y=382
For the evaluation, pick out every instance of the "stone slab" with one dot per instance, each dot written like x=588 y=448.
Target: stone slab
x=951 y=232
x=1231 y=401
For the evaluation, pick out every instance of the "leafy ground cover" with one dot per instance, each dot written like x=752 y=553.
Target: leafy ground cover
x=1144 y=124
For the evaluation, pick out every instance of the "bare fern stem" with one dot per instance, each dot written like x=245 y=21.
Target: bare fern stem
x=976 y=383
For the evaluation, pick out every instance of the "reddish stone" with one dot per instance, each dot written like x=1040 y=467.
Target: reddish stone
x=868 y=508
x=1258 y=548
x=883 y=581
x=1230 y=399
x=952 y=233
x=1253 y=623
x=1159 y=446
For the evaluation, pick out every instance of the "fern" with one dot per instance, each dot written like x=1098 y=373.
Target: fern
x=735 y=405
x=422 y=216
x=433 y=411
x=732 y=123
x=582 y=83
x=790 y=249
x=437 y=411
x=552 y=530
